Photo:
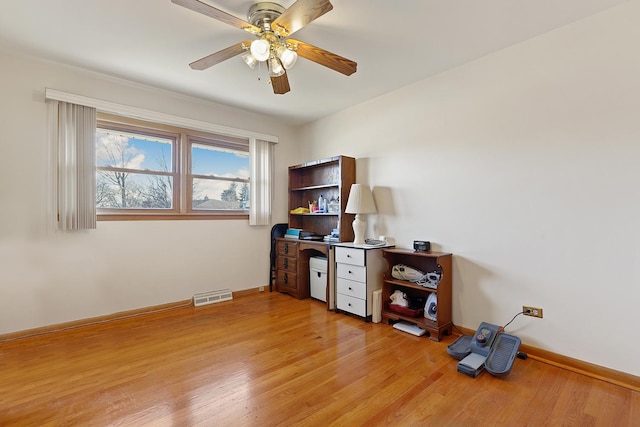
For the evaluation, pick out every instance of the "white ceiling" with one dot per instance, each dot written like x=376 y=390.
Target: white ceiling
x=394 y=44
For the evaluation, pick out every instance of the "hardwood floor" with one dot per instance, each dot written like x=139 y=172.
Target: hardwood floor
x=269 y=359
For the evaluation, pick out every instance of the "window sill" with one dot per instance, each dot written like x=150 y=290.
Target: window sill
x=171 y=217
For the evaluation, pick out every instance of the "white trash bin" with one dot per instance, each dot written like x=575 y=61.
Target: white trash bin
x=318 y=277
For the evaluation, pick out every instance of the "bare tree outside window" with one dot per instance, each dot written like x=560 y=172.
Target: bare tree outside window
x=156 y=171
x=125 y=167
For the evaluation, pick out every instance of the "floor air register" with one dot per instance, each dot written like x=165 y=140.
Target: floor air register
x=489 y=348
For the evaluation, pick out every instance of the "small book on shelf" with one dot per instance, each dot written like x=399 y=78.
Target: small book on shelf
x=316 y=237
x=292 y=233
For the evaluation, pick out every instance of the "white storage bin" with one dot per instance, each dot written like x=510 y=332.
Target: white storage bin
x=318 y=278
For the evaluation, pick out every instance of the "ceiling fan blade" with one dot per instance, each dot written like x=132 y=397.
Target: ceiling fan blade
x=280 y=84
x=222 y=55
x=298 y=15
x=324 y=57
x=205 y=9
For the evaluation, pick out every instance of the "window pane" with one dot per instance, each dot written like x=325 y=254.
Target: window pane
x=220 y=195
x=133 y=151
x=218 y=161
x=133 y=191
x=139 y=171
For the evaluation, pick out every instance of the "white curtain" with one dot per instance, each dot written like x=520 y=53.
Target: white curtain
x=261 y=189
x=72 y=191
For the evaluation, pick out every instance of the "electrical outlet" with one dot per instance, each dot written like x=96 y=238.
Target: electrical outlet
x=260 y=288
x=532 y=311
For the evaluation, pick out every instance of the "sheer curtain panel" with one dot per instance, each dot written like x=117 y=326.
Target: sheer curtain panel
x=261 y=154
x=72 y=130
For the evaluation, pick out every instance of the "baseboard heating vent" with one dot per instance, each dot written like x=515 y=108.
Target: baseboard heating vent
x=212 y=297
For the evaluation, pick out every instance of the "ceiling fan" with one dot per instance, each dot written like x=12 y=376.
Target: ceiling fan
x=272 y=25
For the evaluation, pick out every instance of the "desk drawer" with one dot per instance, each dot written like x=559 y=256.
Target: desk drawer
x=351 y=272
x=284 y=247
x=286 y=263
x=286 y=280
x=352 y=305
x=350 y=256
x=351 y=288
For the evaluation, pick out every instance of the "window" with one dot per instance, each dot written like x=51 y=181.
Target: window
x=152 y=171
x=136 y=169
x=220 y=174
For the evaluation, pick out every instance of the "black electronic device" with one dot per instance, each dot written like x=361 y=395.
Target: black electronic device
x=483 y=338
x=489 y=349
x=421 y=246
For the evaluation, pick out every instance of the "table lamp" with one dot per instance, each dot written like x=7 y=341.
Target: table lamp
x=360 y=202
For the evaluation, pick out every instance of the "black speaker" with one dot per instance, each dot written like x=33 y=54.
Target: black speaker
x=421 y=246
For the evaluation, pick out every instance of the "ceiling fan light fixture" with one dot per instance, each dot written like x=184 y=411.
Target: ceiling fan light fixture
x=260 y=49
x=249 y=59
x=287 y=56
x=275 y=67
x=272 y=24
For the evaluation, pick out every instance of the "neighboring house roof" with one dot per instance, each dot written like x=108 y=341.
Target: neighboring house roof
x=215 y=204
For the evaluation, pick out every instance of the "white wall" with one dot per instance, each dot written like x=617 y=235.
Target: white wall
x=121 y=265
x=524 y=165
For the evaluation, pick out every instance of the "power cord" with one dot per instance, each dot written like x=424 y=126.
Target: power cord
x=459 y=331
x=520 y=354
x=502 y=328
x=514 y=317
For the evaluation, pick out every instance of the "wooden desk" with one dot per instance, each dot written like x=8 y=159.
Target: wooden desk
x=292 y=266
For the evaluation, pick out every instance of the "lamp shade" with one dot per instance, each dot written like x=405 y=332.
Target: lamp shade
x=360 y=200
x=250 y=60
x=260 y=49
x=275 y=67
x=288 y=57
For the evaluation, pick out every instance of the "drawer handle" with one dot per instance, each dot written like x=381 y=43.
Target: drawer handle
x=286 y=263
x=348 y=256
x=286 y=248
x=350 y=272
x=349 y=304
x=286 y=278
x=350 y=288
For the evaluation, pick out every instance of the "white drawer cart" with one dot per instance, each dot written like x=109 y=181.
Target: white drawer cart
x=359 y=272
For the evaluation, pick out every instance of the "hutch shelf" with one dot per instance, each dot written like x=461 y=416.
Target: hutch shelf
x=331 y=178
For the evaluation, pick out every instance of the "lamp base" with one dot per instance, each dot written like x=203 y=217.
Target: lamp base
x=359 y=227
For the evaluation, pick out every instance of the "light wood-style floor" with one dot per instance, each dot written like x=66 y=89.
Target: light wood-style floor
x=267 y=360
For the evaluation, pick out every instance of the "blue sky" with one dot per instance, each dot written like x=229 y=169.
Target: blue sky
x=149 y=154
x=222 y=163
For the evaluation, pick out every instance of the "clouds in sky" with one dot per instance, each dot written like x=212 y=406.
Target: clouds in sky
x=115 y=150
